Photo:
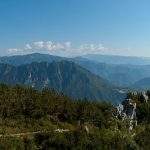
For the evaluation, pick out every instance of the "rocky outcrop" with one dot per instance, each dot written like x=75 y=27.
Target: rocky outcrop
x=127 y=110
x=144 y=97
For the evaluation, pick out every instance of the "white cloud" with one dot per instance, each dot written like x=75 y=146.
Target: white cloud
x=67 y=44
x=39 y=44
x=49 y=45
x=14 y=50
x=92 y=48
x=101 y=47
x=59 y=46
x=28 y=47
x=61 y=49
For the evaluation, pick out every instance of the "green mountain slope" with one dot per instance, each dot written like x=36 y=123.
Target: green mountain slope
x=63 y=76
x=119 y=70
x=143 y=84
x=26 y=59
x=119 y=75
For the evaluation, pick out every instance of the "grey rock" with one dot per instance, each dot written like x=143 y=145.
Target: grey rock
x=127 y=110
x=144 y=96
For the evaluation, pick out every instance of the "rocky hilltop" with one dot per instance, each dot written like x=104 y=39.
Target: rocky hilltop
x=127 y=109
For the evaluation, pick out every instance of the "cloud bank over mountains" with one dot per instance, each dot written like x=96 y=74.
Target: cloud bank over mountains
x=60 y=49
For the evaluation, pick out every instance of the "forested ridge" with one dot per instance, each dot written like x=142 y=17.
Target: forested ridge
x=62 y=76
x=32 y=119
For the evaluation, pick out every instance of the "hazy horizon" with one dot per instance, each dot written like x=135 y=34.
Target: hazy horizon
x=22 y=54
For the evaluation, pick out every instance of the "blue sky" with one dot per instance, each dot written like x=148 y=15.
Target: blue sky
x=75 y=27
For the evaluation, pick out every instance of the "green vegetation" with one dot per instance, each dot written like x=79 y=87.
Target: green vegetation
x=44 y=120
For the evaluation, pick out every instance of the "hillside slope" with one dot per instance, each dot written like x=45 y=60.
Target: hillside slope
x=120 y=75
x=143 y=84
x=116 y=59
x=63 y=76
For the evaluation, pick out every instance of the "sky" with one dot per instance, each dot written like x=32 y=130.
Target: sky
x=75 y=27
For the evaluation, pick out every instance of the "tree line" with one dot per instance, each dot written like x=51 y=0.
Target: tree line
x=91 y=124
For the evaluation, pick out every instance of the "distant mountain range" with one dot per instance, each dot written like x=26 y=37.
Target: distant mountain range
x=122 y=71
x=77 y=77
x=27 y=59
x=108 y=59
x=143 y=84
x=64 y=76
x=123 y=74
x=112 y=59
x=119 y=75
